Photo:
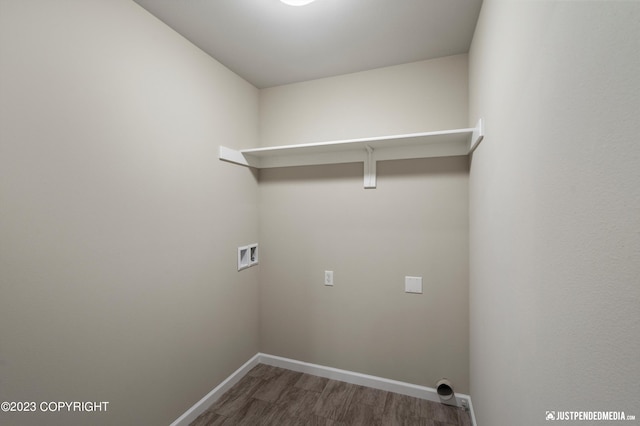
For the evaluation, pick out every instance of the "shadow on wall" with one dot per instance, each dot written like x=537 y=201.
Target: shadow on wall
x=354 y=171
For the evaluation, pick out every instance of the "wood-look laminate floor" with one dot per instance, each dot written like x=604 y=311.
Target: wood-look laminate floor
x=275 y=396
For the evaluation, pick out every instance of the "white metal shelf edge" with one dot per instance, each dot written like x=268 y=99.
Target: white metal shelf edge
x=367 y=150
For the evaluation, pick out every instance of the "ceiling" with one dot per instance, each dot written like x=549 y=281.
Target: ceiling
x=269 y=43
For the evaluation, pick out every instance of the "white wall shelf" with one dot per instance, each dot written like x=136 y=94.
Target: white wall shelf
x=444 y=143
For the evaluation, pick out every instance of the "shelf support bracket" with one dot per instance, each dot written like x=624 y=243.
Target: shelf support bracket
x=369 y=169
x=233 y=156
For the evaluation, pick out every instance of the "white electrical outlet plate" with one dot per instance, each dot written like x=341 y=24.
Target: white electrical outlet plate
x=328 y=277
x=413 y=285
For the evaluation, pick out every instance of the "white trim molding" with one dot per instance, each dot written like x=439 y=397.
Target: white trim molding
x=417 y=391
x=201 y=406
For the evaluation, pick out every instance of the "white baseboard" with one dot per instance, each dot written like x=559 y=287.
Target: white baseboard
x=422 y=392
x=201 y=406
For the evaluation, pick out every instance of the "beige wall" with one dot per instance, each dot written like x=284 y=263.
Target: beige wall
x=415 y=223
x=416 y=97
x=555 y=210
x=118 y=225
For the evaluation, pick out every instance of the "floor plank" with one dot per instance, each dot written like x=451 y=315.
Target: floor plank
x=375 y=399
x=400 y=410
x=358 y=414
x=436 y=411
x=251 y=413
x=312 y=383
x=334 y=400
x=206 y=419
x=237 y=397
x=272 y=389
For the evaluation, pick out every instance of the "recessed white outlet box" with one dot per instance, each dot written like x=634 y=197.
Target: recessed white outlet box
x=413 y=285
x=328 y=277
x=247 y=256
